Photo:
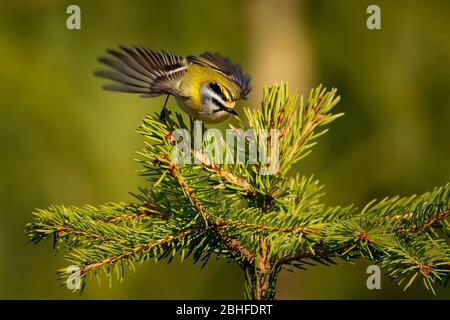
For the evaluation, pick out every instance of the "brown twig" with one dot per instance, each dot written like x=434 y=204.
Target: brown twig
x=303 y=255
x=144 y=210
x=236 y=247
x=427 y=224
x=136 y=250
x=66 y=230
x=225 y=174
x=293 y=230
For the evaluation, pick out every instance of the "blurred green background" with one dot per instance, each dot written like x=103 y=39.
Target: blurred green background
x=65 y=141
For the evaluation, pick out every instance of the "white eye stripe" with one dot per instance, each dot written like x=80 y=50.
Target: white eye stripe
x=210 y=93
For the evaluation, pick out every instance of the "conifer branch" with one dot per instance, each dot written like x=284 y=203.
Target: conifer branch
x=262 y=227
x=209 y=221
x=225 y=174
x=135 y=251
x=138 y=212
x=237 y=248
x=187 y=191
x=427 y=224
x=263 y=222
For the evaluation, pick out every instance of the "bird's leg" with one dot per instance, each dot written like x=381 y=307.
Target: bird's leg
x=164 y=111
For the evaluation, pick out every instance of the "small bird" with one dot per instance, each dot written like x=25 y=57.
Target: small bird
x=205 y=86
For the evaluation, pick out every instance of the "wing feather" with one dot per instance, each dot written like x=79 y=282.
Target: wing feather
x=141 y=70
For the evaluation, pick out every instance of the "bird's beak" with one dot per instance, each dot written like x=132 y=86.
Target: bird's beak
x=232 y=111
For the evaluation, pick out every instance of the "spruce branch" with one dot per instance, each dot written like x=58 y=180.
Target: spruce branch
x=236 y=210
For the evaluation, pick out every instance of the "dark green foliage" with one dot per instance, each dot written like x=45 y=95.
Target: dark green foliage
x=262 y=222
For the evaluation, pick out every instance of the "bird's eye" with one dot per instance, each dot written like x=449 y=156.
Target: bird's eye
x=219 y=105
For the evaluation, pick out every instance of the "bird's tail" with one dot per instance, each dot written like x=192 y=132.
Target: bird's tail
x=141 y=70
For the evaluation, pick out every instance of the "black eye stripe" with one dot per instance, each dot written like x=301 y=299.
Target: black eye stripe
x=220 y=105
x=216 y=88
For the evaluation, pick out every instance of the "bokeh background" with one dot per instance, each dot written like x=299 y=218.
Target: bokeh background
x=65 y=141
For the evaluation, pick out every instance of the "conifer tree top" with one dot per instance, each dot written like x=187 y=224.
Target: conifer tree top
x=263 y=222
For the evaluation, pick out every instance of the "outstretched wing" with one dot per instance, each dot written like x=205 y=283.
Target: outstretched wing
x=226 y=67
x=141 y=70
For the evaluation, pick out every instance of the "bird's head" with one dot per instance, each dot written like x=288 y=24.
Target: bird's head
x=218 y=100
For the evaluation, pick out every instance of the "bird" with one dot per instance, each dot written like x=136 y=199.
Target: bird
x=205 y=86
